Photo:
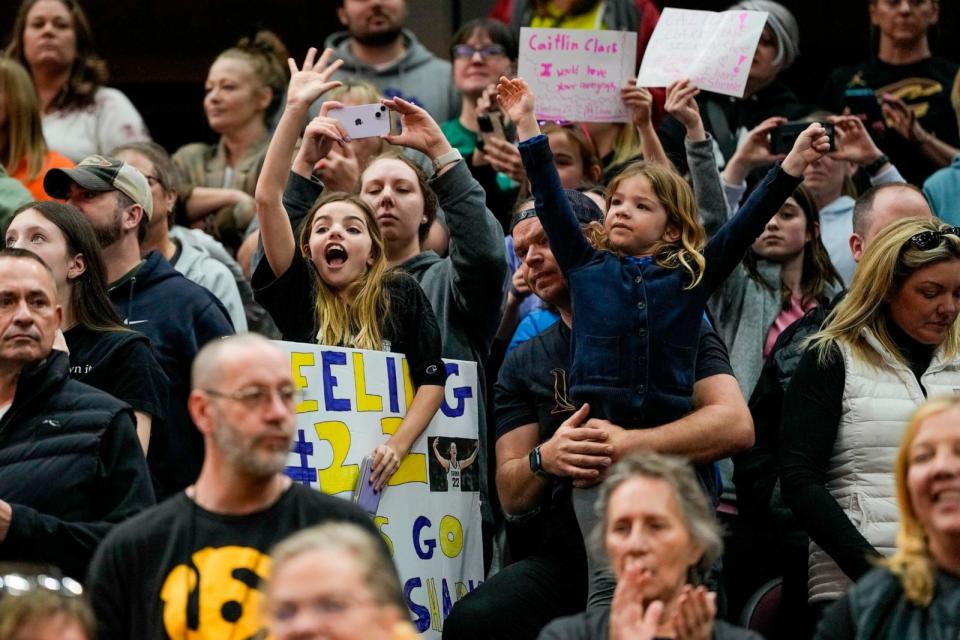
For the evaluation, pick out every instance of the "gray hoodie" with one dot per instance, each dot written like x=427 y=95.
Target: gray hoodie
x=418 y=76
x=198 y=265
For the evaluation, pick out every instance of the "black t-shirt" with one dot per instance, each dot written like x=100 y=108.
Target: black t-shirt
x=532 y=388
x=410 y=328
x=925 y=86
x=177 y=570
x=121 y=363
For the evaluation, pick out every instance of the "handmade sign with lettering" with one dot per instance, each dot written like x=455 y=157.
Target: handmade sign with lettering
x=577 y=74
x=429 y=513
x=714 y=50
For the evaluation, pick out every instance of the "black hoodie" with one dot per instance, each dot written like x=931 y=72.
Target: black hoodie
x=179 y=316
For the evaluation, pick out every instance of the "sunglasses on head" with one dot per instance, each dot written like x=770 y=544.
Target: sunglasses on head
x=18 y=584
x=926 y=240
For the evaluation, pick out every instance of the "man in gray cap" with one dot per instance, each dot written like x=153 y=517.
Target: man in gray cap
x=151 y=297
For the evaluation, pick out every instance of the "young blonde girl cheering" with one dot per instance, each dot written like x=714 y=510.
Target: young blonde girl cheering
x=338 y=290
x=638 y=305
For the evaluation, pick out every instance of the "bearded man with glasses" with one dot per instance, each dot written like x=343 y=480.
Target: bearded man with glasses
x=192 y=566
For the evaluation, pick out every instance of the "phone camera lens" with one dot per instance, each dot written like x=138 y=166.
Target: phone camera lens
x=377 y=114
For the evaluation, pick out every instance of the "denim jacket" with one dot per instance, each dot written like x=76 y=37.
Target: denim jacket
x=635 y=325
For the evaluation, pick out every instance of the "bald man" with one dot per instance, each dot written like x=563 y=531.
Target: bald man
x=192 y=565
x=70 y=463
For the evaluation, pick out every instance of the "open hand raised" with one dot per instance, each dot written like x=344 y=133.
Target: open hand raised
x=313 y=80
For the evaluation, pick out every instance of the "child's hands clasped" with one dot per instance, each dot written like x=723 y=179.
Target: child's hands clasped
x=811 y=145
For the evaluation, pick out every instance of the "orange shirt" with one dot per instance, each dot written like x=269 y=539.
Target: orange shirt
x=52 y=160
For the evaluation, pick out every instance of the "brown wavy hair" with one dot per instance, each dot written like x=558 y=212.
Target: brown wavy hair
x=88 y=72
x=678 y=200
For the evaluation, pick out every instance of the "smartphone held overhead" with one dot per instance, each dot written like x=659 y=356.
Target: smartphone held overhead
x=783 y=137
x=363 y=121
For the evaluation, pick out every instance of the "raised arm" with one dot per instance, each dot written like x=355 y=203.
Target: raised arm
x=436 y=454
x=306 y=85
x=563 y=230
x=476 y=250
x=471 y=458
x=727 y=247
x=701 y=160
x=640 y=102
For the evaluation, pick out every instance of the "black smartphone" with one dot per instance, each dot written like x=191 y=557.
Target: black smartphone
x=783 y=137
x=863 y=103
x=493 y=123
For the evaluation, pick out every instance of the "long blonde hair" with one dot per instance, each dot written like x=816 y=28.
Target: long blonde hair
x=911 y=562
x=889 y=260
x=356 y=324
x=24 y=130
x=678 y=200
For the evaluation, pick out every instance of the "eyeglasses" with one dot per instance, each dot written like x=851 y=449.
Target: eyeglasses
x=926 y=240
x=489 y=51
x=256 y=397
x=18 y=584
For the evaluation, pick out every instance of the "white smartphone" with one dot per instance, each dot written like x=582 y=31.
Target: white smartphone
x=363 y=121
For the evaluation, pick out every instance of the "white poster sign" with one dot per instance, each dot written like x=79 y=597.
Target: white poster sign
x=577 y=74
x=429 y=516
x=714 y=50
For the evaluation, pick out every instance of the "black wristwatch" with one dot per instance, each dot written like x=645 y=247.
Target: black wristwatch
x=536 y=463
x=874 y=167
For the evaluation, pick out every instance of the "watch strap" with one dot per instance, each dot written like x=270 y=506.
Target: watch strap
x=536 y=462
x=447 y=158
x=874 y=167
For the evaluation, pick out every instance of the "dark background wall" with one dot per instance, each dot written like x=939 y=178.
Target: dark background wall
x=159 y=50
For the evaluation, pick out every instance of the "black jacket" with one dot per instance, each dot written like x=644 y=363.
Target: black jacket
x=70 y=466
x=179 y=316
x=876 y=609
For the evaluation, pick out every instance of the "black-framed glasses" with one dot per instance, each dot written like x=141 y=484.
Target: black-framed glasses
x=926 y=240
x=466 y=51
x=18 y=584
x=256 y=397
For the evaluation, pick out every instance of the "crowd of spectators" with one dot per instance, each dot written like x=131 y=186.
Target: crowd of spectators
x=718 y=385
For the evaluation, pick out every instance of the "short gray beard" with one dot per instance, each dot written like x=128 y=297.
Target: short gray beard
x=242 y=455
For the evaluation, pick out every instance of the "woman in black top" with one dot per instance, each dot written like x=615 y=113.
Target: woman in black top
x=889 y=344
x=103 y=352
x=355 y=301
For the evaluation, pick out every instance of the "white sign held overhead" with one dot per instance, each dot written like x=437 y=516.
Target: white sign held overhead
x=714 y=50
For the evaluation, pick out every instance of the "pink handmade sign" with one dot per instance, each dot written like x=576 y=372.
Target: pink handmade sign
x=577 y=74
x=714 y=50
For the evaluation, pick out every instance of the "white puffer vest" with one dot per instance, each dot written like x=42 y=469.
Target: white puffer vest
x=877 y=404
